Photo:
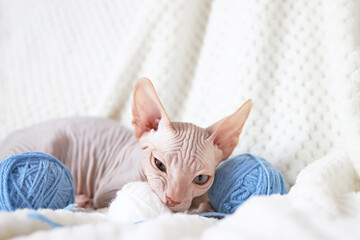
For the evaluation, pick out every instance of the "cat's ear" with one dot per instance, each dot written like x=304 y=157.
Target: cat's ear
x=225 y=133
x=147 y=110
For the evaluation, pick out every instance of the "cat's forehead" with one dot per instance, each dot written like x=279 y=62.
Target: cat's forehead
x=189 y=131
x=190 y=162
x=184 y=139
x=184 y=145
x=190 y=137
x=193 y=144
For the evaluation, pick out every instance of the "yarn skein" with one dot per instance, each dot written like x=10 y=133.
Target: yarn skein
x=241 y=177
x=35 y=180
x=136 y=202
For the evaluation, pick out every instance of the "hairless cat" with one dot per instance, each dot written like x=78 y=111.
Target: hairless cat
x=177 y=159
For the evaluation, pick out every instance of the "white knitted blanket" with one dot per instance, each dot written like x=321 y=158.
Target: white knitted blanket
x=298 y=60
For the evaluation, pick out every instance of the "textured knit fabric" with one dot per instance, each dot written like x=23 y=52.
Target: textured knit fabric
x=298 y=60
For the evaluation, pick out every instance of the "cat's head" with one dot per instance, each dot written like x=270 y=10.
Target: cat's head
x=180 y=158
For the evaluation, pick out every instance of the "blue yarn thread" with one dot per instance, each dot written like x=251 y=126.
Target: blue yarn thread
x=44 y=219
x=241 y=177
x=213 y=214
x=36 y=215
x=72 y=207
x=35 y=180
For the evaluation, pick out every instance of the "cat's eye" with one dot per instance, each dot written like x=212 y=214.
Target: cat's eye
x=160 y=165
x=201 y=179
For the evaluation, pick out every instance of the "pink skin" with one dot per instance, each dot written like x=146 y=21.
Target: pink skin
x=183 y=162
x=103 y=156
x=185 y=149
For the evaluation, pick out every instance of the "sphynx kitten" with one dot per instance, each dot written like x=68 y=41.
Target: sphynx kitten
x=177 y=159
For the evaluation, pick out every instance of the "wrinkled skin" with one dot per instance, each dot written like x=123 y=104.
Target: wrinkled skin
x=103 y=156
x=186 y=150
x=186 y=153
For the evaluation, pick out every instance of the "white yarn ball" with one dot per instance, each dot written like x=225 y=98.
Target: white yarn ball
x=136 y=202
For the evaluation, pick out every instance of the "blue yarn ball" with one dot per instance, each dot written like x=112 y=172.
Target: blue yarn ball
x=35 y=180
x=241 y=177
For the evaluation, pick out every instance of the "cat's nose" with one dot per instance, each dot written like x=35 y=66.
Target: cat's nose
x=170 y=202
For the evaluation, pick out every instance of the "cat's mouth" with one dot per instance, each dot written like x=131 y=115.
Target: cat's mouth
x=173 y=205
x=181 y=207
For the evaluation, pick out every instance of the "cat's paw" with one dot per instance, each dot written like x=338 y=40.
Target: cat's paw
x=204 y=207
x=84 y=201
